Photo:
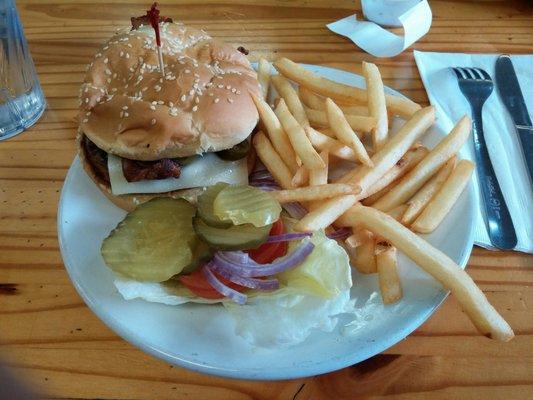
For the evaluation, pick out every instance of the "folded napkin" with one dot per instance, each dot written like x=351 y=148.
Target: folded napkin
x=502 y=140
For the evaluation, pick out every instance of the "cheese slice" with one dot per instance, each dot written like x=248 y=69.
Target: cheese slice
x=205 y=170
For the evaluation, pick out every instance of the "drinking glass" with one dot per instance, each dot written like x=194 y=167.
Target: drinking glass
x=21 y=97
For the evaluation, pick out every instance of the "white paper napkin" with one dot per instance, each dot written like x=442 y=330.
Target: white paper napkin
x=378 y=41
x=502 y=141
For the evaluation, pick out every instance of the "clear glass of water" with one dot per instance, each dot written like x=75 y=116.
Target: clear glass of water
x=21 y=97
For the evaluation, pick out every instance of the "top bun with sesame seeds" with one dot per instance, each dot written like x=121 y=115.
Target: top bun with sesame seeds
x=202 y=104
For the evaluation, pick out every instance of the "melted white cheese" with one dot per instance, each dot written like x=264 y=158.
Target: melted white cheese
x=205 y=170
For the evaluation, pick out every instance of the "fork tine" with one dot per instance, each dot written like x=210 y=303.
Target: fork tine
x=476 y=73
x=458 y=73
x=470 y=74
x=484 y=74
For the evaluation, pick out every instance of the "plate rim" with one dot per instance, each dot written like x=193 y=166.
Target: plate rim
x=330 y=365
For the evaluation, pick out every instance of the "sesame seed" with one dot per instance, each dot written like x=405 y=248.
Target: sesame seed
x=153 y=121
x=114 y=89
x=228 y=87
x=87 y=113
x=195 y=108
x=114 y=75
x=160 y=102
x=157 y=88
x=191 y=92
x=152 y=107
x=230 y=100
x=108 y=80
x=170 y=104
x=233 y=90
x=107 y=71
x=86 y=89
x=145 y=88
x=127 y=55
x=121 y=54
x=126 y=114
x=216 y=100
x=105 y=47
x=210 y=94
x=196 y=100
x=129 y=45
x=238 y=92
x=125 y=107
x=106 y=60
x=187 y=71
x=220 y=86
x=122 y=114
x=85 y=120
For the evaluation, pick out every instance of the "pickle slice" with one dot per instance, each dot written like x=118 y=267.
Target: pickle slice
x=153 y=242
x=237 y=237
x=201 y=254
x=237 y=152
x=205 y=206
x=242 y=204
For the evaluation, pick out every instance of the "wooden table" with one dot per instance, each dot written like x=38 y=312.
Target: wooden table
x=51 y=338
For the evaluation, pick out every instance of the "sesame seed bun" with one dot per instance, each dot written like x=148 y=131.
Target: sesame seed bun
x=202 y=104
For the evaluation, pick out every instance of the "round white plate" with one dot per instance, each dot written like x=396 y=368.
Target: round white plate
x=202 y=338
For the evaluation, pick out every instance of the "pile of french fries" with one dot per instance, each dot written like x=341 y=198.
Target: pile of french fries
x=395 y=187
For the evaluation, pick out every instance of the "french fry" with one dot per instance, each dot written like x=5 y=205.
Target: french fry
x=443 y=201
x=403 y=107
x=397 y=212
x=323 y=142
x=272 y=160
x=377 y=107
x=312 y=193
x=356 y=238
x=392 y=151
x=387 y=268
x=365 y=259
x=301 y=177
x=357 y=122
x=391 y=177
x=416 y=204
x=287 y=92
x=299 y=140
x=277 y=135
x=326 y=213
x=263 y=76
x=419 y=175
x=320 y=176
x=344 y=132
x=441 y=267
x=317 y=102
x=365 y=176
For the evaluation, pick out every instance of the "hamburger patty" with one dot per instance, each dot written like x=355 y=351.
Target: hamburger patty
x=133 y=170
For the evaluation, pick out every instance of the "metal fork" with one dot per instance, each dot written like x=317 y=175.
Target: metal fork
x=476 y=85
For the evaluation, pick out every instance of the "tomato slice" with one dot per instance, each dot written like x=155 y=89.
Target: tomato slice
x=198 y=284
x=268 y=252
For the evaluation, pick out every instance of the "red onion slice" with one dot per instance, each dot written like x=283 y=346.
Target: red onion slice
x=288 y=236
x=228 y=292
x=340 y=233
x=252 y=269
x=295 y=210
x=252 y=283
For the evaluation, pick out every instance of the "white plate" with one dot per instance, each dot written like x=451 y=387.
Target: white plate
x=202 y=338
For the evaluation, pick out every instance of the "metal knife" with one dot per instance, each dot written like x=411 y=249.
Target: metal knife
x=511 y=95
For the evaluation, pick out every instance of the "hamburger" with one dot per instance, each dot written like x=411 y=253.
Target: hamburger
x=144 y=134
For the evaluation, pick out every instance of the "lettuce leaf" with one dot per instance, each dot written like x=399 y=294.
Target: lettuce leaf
x=324 y=273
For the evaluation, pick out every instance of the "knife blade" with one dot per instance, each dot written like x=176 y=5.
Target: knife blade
x=512 y=97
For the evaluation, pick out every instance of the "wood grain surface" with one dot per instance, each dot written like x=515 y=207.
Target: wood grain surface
x=51 y=339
